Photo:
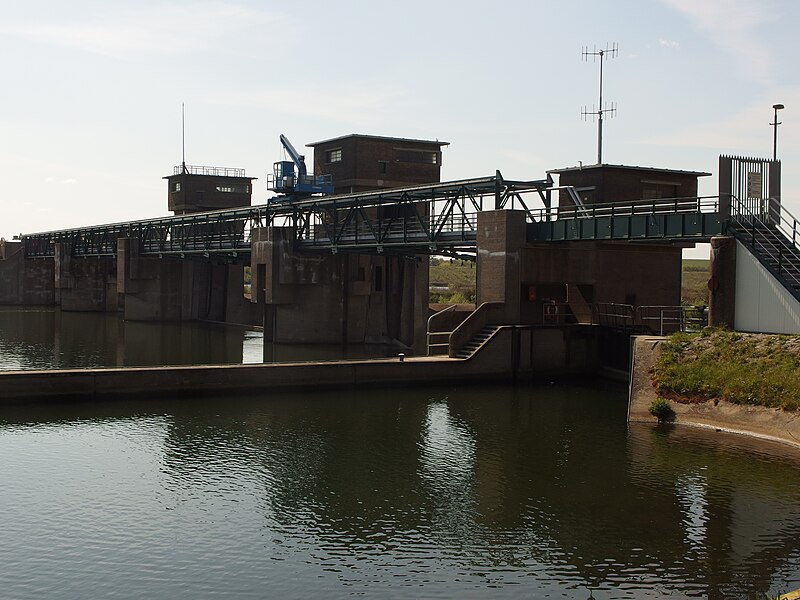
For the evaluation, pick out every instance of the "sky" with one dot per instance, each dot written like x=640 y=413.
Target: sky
x=91 y=101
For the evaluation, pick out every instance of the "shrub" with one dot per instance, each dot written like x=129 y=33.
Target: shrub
x=661 y=410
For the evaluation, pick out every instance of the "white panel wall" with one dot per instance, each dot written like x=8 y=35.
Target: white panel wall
x=762 y=303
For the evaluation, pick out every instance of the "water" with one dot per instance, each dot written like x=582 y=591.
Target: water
x=46 y=338
x=473 y=492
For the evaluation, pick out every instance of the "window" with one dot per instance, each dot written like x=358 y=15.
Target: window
x=332 y=156
x=653 y=190
x=382 y=167
x=177 y=187
x=378 y=279
x=416 y=156
x=234 y=189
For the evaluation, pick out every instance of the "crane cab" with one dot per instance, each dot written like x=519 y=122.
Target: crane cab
x=291 y=178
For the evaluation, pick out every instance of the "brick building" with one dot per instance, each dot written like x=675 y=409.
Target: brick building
x=361 y=163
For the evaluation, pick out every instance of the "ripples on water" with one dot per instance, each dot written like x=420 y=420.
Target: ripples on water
x=481 y=492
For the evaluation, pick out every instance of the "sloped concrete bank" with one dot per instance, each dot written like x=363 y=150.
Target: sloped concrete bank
x=766 y=423
x=510 y=354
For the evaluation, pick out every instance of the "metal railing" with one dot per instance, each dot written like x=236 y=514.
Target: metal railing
x=656 y=206
x=774 y=236
x=203 y=170
x=434 y=336
x=669 y=319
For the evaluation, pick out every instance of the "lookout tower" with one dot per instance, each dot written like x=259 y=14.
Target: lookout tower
x=359 y=163
x=195 y=189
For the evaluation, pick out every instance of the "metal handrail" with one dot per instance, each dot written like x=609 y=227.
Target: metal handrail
x=431 y=334
x=203 y=170
x=777 y=240
x=656 y=206
x=672 y=318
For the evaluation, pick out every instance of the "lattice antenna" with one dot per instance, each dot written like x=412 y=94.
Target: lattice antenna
x=602 y=109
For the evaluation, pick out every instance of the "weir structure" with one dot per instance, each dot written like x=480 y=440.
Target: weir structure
x=353 y=266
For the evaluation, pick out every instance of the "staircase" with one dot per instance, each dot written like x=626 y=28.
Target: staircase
x=477 y=341
x=775 y=244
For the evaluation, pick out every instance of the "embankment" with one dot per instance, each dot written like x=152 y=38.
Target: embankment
x=768 y=423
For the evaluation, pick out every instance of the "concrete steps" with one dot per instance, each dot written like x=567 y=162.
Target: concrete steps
x=477 y=341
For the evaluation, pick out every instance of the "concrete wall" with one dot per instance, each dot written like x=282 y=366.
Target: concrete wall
x=175 y=289
x=762 y=303
x=333 y=298
x=24 y=282
x=515 y=353
x=524 y=276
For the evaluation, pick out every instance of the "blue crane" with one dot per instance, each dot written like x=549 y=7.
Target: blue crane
x=291 y=178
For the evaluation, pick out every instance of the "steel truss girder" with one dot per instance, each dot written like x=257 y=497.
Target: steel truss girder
x=424 y=218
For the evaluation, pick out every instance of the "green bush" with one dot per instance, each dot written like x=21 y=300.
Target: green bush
x=661 y=410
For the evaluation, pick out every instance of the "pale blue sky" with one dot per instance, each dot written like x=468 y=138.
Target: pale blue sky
x=92 y=93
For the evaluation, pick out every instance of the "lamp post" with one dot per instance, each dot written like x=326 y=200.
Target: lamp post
x=775 y=124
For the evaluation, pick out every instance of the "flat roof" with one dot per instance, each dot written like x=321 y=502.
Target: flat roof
x=377 y=137
x=632 y=167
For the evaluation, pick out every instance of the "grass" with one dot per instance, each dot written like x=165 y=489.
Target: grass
x=694 y=281
x=458 y=275
x=739 y=368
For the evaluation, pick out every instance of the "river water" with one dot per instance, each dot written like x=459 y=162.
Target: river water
x=45 y=338
x=526 y=491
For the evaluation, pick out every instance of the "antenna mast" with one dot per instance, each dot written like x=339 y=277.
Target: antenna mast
x=609 y=52
x=183 y=137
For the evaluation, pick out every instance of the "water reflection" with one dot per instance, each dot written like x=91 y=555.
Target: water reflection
x=485 y=491
x=44 y=338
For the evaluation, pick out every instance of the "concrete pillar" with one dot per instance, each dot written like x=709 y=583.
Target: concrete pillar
x=24 y=281
x=722 y=285
x=500 y=239
x=337 y=298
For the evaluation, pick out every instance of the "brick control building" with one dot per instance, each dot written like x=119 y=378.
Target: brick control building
x=359 y=163
x=193 y=189
x=597 y=184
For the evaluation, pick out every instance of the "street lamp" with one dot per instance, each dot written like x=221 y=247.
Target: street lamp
x=775 y=124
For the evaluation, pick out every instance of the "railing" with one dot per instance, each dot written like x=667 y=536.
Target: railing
x=202 y=170
x=618 y=316
x=776 y=238
x=669 y=319
x=438 y=335
x=657 y=206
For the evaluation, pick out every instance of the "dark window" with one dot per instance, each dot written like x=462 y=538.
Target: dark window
x=382 y=166
x=234 y=189
x=416 y=156
x=378 y=279
x=362 y=274
x=653 y=190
